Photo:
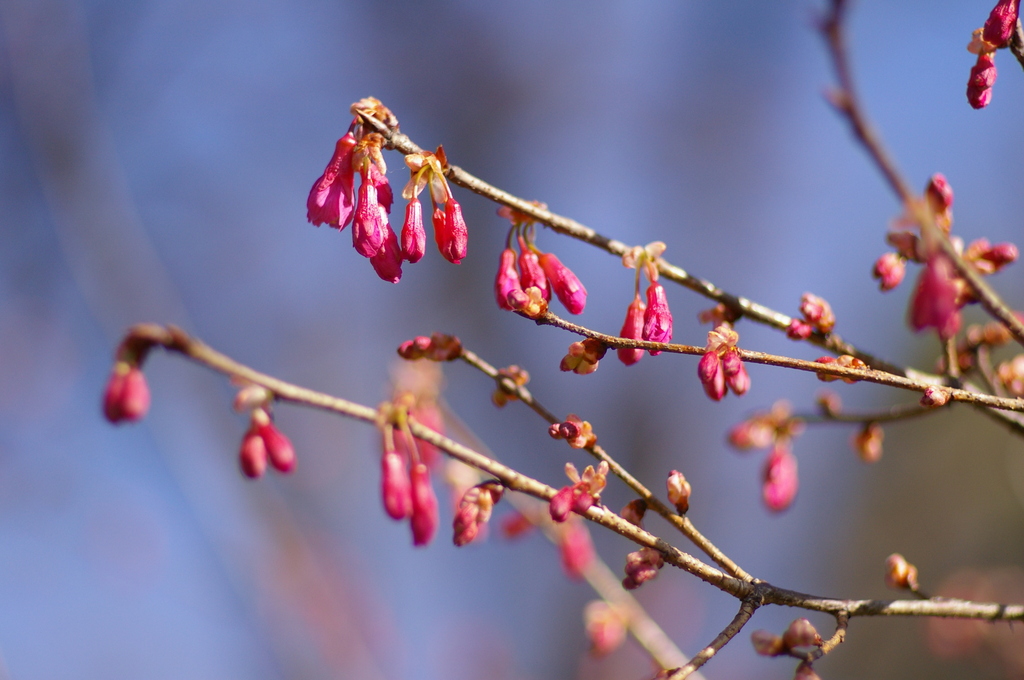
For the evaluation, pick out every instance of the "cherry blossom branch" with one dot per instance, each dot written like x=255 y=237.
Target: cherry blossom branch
x=747 y=609
x=845 y=101
x=680 y=522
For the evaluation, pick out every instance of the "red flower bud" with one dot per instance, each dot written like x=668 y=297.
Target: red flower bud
x=657 y=317
x=889 y=270
x=736 y=376
x=127 y=394
x=367 y=228
x=279 y=449
x=780 y=479
x=935 y=301
x=711 y=375
x=632 y=328
x=414 y=237
x=566 y=285
x=979 y=84
x=252 y=456
x=561 y=504
x=530 y=272
x=387 y=262
x=424 y=505
x=1001 y=22
x=330 y=200
x=507 y=279
x=453 y=236
x=396 y=488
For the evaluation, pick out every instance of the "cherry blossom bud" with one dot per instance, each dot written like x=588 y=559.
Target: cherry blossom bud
x=387 y=262
x=252 y=456
x=454 y=236
x=530 y=272
x=279 y=448
x=424 y=505
x=767 y=643
x=780 y=479
x=1001 y=22
x=605 y=627
x=414 y=236
x=561 y=504
x=583 y=357
x=818 y=312
x=868 y=442
x=889 y=270
x=936 y=396
x=576 y=549
x=736 y=376
x=641 y=567
x=801 y=633
x=380 y=182
x=805 y=672
x=678 y=491
x=507 y=279
x=935 y=298
x=126 y=397
x=657 y=317
x=711 y=375
x=634 y=511
x=632 y=328
x=330 y=200
x=939 y=193
x=566 y=285
x=474 y=511
x=529 y=302
x=900 y=574
x=979 y=84
x=799 y=329
x=578 y=433
x=367 y=228
x=396 y=488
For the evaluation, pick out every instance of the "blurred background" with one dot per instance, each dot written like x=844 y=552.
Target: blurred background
x=155 y=160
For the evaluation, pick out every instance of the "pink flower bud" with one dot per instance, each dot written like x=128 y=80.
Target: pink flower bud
x=330 y=200
x=818 y=312
x=576 y=549
x=641 y=567
x=561 y=504
x=736 y=376
x=387 y=262
x=632 y=328
x=453 y=238
x=529 y=302
x=801 y=633
x=126 y=397
x=507 y=279
x=252 y=456
x=414 y=237
x=657 y=317
x=396 y=488
x=605 y=627
x=1001 y=22
x=678 y=491
x=474 y=511
x=367 y=229
x=939 y=194
x=711 y=375
x=530 y=272
x=566 y=285
x=424 y=505
x=634 y=511
x=935 y=396
x=767 y=643
x=979 y=84
x=900 y=574
x=780 y=479
x=799 y=329
x=889 y=270
x=935 y=301
x=380 y=182
x=279 y=448
x=867 y=442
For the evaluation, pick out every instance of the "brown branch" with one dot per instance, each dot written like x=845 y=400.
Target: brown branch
x=893 y=413
x=747 y=609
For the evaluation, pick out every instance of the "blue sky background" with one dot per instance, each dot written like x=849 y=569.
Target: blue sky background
x=154 y=162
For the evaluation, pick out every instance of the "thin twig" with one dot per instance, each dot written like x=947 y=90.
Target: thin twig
x=893 y=413
x=747 y=609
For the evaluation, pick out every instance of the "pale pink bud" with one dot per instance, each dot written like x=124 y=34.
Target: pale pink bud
x=1001 y=22
x=678 y=491
x=867 y=442
x=279 y=448
x=387 y=262
x=424 y=505
x=566 y=285
x=367 y=228
x=935 y=298
x=799 y=329
x=801 y=633
x=657 y=317
x=711 y=375
x=632 y=328
x=979 y=84
x=780 y=479
x=252 y=456
x=818 y=312
x=507 y=279
x=330 y=200
x=530 y=272
x=736 y=376
x=889 y=270
x=641 y=567
x=453 y=238
x=126 y=397
x=900 y=574
x=576 y=549
x=414 y=236
x=605 y=627
x=396 y=488
x=767 y=643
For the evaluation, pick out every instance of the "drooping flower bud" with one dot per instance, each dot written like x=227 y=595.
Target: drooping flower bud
x=507 y=278
x=475 y=510
x=367 y=228
x=867 y=442
x=530 y=272
x=657 y=317
x=979 y=83
x=387 y=261
x=935 y=301
x=396 y=488
x=632 y=328
x=780 y=479
x=711 y=375
x=566 y=285
x=414 y=236
x=605 y=627
x=889 y=270
x=280 y=451
x=424 y=505
x=736 y=376
x=331 y=198
x=126 y=397
x=454 y=237
x=678 y=491
x=252 y=456
x=1001 y=22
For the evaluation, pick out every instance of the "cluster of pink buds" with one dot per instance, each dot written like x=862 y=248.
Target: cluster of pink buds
x=776 y=428
x=642 y=566
x=583 y=356
x=474 y=510
x=578 y=433
x=605 y=626
x=721 y=365
x=652 y=321
x=438 y=347
x=584 y=492
x=800 y=633
x=996 y=34
x=818 y=317
x=405 y=478
x=525 y=281
x=334 y=201
x=262 y=442
x=900 y=574
x=126 y=397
